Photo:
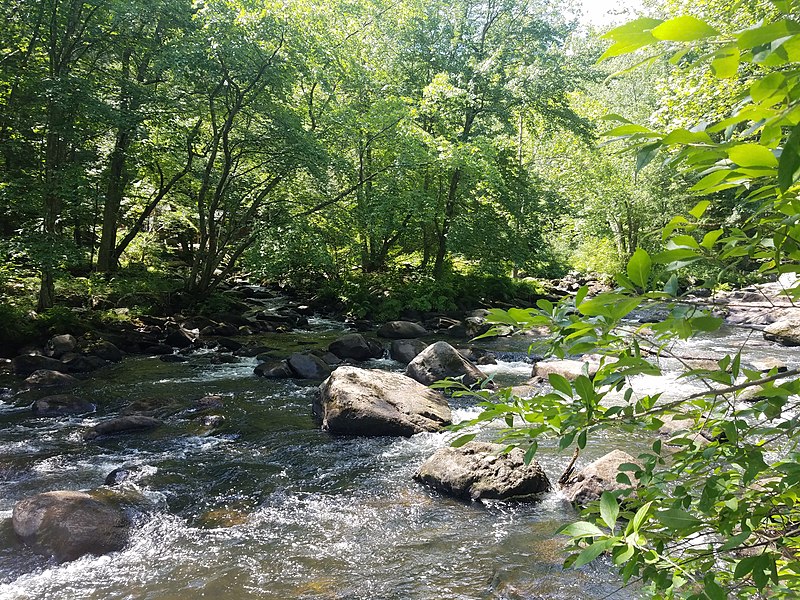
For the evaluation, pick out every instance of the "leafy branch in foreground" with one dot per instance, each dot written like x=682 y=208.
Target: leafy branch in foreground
x=717 y=513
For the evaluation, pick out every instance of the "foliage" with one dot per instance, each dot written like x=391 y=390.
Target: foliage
x=716 y=516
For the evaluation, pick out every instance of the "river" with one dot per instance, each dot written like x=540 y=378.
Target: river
x=270 y=506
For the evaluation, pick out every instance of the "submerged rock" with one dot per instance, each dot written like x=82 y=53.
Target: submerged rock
x=480 y=470
x=60 y=405
x=67 y=524
x=46 y=378
x=355 y=346
x=441 y=360
x=397 y=330
x=120 y=425
x=598 y=477
x=370 y=402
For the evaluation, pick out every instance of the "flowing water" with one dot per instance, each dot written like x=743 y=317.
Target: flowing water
x=270 y=506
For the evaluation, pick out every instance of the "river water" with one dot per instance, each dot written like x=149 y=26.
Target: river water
x=269 y=506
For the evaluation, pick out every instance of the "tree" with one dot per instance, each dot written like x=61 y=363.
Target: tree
x=716 y=520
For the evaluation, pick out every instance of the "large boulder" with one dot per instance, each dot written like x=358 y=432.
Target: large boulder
x=569 y=369
x=274 y=370
x=398 y=330
x=179 y=338
x=404 y=351
x=598 y=477
x=370 y=402
x=308 y=366
x=480 y=470
x=45 y=378
x=67 y=524
x=441 y=360
x=26 y=364
x=785 y=332
x=106 y=350
x=57 y=346
x=120 y=425
x=60 y=405
x=84 y=364
x=355 y=346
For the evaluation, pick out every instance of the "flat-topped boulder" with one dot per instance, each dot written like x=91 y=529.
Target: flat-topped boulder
x=122 y=425
x=569 y=369
x=68 y=524
x=371 y=402
x=308 y=366
x=399 y=330
x=355 y=346
x=785 y=332
x=26 y=364
x=481 y=470
x=598 y=477
x=439 y=361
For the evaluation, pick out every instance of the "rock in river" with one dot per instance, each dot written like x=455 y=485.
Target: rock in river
x=480 y=470
x=598 y=477
x=356 y=346
x=117 y=425
x=397 y=330
x=308 y=366
x=371 y=402
x=786 y=332
x=441 y=360
x=68 y=524
x=404 y=351
x=46 y=378
x=60 y=405
x=26 y=364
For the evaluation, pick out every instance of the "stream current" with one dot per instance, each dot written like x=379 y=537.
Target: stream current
x=270 y=506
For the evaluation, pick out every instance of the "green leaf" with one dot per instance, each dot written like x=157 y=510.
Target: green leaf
x=628 y=129
x=609 y=509
x=560 y=384
x=684 y=136
x=593 y=551
x=584 y=387
x=581 y=529
x=464 y=439
x=706 y=323
x=757 y=36
x=640 y=516
x=711 y=238
x=683 y=29
x=639 y=268
x=789 y=165
x=677 y=519
x=700 y=209
x=752 y=155
x=671 y=287
x=726 y=62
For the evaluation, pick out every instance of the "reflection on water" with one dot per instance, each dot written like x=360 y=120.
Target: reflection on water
x=269 y=506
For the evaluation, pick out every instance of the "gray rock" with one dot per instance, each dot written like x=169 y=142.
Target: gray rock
x=569 y=369
x=26 y=364
x=59 y=345
x=121 y=425
x=480 y=470
x=371 y=402
x=400 y=330
x=598 y=477
x=308 y=366
x=46 y=378
x=179 y=338
x=441 y=360
x=84 y=364
x=785 y=332
x=60 y=405
x=404 y=351
x=67 y=524
x=274 y=370
x=229 y=344
x=355 y=346
x=107 y=351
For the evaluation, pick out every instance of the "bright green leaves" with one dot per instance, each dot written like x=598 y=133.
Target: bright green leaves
x=725 y=64
x=683 y=29
x=752 y=155
x=639 y=267
x=789 y=165
x=609 y=510
x=679 y=520
x=631 y=36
